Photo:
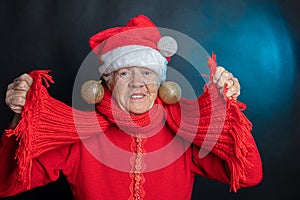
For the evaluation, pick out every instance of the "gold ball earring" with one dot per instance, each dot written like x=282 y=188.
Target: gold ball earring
x=170 y=92
x=92 y=91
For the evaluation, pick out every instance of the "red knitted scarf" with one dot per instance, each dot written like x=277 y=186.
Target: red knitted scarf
x=48 y=123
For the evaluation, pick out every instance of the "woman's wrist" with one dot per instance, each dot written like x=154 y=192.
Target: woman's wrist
x=16 y=120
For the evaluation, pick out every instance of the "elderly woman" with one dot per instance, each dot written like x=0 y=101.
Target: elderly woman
x=43 y=140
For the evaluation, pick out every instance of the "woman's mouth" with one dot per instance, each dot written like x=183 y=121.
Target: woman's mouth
x=137 y=96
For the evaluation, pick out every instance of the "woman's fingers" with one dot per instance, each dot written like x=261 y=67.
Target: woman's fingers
x=17 y=91
x=233 y=90
x=222 y=78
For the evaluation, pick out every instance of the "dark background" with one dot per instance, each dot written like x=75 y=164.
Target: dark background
x=258 y=41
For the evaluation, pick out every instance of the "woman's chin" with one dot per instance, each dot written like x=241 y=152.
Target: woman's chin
x=137 y=112
x=139 y=109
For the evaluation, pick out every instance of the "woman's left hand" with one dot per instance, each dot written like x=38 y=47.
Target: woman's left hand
x=222 y=78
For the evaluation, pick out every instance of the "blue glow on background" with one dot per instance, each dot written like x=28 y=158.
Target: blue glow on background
x=256 y=47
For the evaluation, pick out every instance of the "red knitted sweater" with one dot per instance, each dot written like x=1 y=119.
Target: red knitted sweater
x=218 y=126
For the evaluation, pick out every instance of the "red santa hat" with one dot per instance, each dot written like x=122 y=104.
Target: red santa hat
x=138 y=43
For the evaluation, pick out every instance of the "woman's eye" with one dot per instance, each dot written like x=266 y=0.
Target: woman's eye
x=147 y=73
x=123 y=73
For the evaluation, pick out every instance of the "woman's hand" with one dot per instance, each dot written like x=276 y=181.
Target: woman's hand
x=17 y=91
x=222 y=78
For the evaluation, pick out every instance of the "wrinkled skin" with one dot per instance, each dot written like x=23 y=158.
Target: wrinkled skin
x=135 y=89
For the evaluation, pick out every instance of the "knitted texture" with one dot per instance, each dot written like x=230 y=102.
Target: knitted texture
x=220 y=125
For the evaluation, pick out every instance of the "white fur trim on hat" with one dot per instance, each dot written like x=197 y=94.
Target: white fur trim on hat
x=133 y=55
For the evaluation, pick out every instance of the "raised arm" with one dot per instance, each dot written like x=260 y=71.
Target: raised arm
x=15 y=99
x=219 y=130
x=213 y=165
x=44 y=168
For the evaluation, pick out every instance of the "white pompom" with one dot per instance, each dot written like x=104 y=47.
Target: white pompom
x=167 y=46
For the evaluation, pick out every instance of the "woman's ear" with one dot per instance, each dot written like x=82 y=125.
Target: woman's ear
x=109 y=80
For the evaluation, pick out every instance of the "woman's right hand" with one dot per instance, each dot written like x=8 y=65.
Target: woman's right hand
x=17 y=91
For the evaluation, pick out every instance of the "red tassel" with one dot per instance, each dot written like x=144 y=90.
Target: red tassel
x=212 y=64
x=239 y=128
x=24 y=131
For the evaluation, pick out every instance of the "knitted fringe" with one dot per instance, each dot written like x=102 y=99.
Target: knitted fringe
x=24 y=132
x=238 y=127
x=224 y=132
x=46 y=124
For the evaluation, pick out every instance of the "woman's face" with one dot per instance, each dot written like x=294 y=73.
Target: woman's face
x=135 y=89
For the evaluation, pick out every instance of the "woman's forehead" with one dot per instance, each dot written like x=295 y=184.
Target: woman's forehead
x=135 y=68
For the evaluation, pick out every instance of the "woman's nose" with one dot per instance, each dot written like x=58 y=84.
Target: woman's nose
x=136 y=80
